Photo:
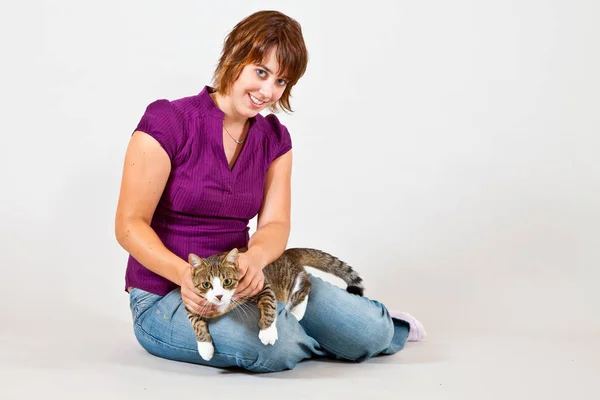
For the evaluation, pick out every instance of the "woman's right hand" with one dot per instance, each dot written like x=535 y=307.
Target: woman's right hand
x=191 y=299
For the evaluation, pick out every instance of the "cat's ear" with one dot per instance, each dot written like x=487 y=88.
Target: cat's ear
x=194 y=260
x=232 y=256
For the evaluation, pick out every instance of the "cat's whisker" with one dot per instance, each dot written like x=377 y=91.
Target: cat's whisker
x=204 y=308
x=245 y=315
x=244 y=308
x=236 y=304
x=248 y=310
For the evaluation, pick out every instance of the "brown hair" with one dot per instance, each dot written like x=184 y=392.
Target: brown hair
x=249 y=42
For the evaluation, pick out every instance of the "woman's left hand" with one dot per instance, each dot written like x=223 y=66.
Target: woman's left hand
x=251 y=275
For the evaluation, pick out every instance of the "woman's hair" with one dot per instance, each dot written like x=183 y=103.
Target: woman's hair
x=250 y=41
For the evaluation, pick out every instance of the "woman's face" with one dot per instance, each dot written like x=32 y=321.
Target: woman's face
x=257 y=87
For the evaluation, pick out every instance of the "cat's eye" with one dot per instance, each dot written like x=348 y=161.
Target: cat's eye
x=206 y=285
x=227 y=282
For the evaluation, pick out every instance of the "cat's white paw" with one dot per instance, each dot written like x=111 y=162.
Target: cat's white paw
x=206 y=350
x=269 y=335
x=300 y=309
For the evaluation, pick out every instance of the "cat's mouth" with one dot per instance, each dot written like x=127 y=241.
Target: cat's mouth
x=220 y=303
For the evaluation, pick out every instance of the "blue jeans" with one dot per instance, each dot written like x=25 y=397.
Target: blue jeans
x=336 y=324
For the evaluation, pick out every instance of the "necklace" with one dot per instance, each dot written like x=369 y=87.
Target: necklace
x=234 y=139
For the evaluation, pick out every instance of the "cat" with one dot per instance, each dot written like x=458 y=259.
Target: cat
x=216 y=279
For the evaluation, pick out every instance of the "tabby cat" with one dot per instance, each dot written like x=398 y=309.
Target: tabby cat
x=216 y=279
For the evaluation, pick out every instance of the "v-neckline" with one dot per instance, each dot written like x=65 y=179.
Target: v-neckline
x=217 y=112
x=233 y=169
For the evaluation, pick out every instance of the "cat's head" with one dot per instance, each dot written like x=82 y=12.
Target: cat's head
x=215 y=278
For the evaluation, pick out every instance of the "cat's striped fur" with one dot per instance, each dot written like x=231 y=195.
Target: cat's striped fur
x=286 y=280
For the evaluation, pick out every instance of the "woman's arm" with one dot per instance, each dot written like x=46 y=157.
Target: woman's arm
x=273 y=227
x=145 y=172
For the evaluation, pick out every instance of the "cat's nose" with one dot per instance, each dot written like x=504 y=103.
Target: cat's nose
x=219 y=297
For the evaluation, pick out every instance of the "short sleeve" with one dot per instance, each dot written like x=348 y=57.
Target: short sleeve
x=164 y=123
x=281 y=141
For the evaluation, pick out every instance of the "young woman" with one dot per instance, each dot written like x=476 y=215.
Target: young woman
x=196 y=171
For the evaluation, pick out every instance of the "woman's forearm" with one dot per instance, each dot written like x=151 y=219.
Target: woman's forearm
x=140 y=240
x=269 y=242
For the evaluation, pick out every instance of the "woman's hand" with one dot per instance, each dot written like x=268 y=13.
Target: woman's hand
x=251 y=275
x=191 y=299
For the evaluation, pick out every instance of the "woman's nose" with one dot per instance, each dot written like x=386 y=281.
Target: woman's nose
x=266 y=91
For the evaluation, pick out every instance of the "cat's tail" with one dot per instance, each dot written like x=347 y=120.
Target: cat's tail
x=327 y=263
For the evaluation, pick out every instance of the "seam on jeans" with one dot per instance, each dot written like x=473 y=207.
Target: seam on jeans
x=337 y=353
x=195 y=351
x=368 y=357
x=349 y=358
x=139 y=308
x=139 y=311
x=143 y=299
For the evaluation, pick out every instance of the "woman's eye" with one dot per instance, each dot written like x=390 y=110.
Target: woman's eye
x=281 y=82
x=262 y=73
x=206 y=285
x=227 y=282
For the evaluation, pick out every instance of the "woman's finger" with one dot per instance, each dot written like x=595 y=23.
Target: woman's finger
x=191 y=306
x=258 y=287
x=245 y=283
x=199 y=308
x=192 y=295
x=242 y=271
x=194 y=301
x=251 y=290
x=242 y=294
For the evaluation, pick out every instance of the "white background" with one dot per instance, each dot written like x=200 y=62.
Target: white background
x=448 y=150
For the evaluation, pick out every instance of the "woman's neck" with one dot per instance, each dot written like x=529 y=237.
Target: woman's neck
x=224 y=104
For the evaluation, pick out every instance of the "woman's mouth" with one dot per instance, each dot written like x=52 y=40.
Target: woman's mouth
x=255 y=102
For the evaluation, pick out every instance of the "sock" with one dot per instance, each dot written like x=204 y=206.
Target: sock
x=417 y=331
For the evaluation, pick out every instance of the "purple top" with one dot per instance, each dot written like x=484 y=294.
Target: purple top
x=205 y=207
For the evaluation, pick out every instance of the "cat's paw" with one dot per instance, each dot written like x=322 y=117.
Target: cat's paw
x=206 y=350
x=269 y=335
x=300 y=309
